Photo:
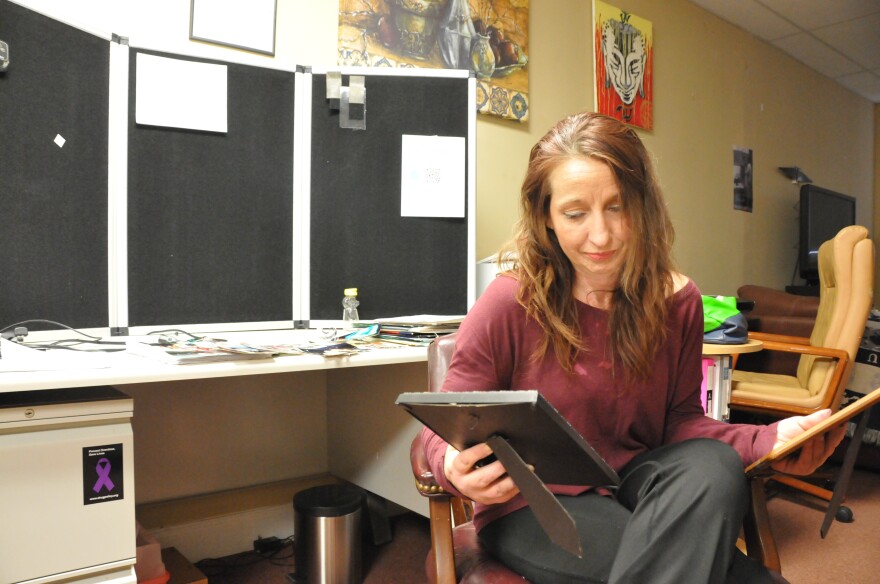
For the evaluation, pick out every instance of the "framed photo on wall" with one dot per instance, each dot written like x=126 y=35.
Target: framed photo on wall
x=742 y=179
x=234 y=23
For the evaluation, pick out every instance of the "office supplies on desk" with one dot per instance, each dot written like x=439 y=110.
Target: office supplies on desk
x=199 y=351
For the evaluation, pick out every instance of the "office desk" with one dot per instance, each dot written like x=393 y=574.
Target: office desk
x=223 y=426
x=717 y=366
x=127 y=369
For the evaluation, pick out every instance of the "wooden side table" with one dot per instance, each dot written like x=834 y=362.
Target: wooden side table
x=717 y=366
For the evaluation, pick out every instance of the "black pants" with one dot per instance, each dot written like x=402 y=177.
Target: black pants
x=675 y=520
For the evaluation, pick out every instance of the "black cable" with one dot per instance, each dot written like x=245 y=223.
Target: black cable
x=180 y=331
x=60 y=344
x=44 y=321
x=226 y=565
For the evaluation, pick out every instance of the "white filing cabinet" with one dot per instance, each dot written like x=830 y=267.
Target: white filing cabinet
x=67 y=487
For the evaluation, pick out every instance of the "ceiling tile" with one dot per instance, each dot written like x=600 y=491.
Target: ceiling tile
x=751 y=16
x=813 y=14
x=865 y=84
x=858 y=39
x=817 y=55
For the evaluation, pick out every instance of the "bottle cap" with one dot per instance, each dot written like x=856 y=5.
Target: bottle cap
x=351 y=291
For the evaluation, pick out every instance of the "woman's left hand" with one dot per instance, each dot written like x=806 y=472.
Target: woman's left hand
x=815 y=451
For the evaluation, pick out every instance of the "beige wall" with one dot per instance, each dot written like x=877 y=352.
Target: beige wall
x=715 y=87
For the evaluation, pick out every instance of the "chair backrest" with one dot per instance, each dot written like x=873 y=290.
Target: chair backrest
x=439 y=357
x=846 y=276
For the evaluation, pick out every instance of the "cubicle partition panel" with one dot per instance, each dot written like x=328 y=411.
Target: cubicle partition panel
x=53 y=172
x=209 y=222
x=360 y=236
x=122 y=222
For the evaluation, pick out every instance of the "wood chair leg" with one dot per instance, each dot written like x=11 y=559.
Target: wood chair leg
x=756 y=527
x=441 y=540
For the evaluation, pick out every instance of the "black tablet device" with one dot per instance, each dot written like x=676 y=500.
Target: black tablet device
x=532 y=427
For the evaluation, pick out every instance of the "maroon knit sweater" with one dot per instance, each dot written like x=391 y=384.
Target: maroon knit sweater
x=493 y=351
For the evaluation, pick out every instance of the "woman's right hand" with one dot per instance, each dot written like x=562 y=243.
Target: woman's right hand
x=489 y=484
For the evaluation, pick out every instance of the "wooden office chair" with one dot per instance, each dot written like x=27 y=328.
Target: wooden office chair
x=846 y=274
x=456 y=555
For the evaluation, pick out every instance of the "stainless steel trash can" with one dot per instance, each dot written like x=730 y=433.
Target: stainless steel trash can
x=327 y=534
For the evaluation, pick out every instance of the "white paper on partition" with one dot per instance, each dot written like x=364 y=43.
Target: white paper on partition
x=432 y=176
x=180 y=94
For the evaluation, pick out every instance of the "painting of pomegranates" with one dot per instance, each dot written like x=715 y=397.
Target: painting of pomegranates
x=488 y=37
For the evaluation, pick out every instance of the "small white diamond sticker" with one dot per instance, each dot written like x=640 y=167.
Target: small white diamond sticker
x=60 y=140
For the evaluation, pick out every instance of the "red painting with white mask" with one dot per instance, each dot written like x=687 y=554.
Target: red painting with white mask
x=623 y=56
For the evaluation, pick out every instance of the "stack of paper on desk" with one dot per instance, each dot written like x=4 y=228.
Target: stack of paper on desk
x=209 y=352
x=417 y=330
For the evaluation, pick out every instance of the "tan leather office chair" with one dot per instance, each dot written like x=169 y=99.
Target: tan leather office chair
x=456 y=555
x=846 y=275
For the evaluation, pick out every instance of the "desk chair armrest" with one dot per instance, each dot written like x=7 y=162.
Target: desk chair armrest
x=425 y=481
x=802 y=349
x=774 y=337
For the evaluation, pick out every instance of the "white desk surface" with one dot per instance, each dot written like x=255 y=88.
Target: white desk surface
x=126 y=368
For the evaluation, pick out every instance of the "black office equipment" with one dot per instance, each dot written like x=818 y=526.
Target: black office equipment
x=522 y=429
x=823 y=213
x=541 y=436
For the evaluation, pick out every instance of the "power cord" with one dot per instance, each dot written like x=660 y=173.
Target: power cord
x=18 y=332
x=266 y=549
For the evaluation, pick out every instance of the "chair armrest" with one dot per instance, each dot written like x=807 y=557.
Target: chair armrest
x=841 y=372
x=759 y=336
x=422 y=473
x=805 y=349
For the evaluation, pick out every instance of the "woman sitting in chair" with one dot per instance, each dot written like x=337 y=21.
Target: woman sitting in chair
x=596 y=318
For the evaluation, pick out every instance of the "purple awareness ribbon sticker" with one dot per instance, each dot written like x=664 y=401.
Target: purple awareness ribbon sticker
x=103 y=470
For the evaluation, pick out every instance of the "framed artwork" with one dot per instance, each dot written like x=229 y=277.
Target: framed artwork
x=742 y=179
x=623 y=64
x=488 y=37
x=233 y=23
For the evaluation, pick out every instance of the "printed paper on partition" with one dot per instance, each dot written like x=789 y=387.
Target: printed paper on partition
x=180 y=94
x=432 y=181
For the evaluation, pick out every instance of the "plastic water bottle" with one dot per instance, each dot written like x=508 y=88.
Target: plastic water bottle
x=349 y=305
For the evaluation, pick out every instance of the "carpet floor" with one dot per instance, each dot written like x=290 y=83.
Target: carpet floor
x=848 y=554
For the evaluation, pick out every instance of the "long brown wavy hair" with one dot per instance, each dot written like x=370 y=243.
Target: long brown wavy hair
x=637 y=318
